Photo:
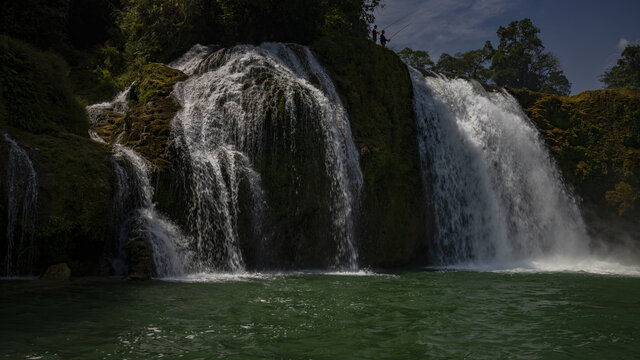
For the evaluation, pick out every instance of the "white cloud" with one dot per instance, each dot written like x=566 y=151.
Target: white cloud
x=622 y=43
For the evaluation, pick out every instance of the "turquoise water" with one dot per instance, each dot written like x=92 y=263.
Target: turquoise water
x=409 y=315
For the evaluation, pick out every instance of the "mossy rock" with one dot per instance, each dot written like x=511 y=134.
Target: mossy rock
x=376 y=90
x=154 y=81
x=146 y=127
x=74 y=198
x=108 y=126
x=298 y=190
x=141 y=264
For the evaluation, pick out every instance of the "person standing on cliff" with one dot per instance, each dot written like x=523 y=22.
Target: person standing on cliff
x=374 y=33
x=383 y=39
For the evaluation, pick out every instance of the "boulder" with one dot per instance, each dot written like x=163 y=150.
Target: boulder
x=141 y=264
x=58 y=272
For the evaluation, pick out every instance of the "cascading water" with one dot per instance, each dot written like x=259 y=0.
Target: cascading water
x=218 y=134
x=499 y=199
x=22 y=202
x=188 y=63
x=166 y=239
x=134 y=211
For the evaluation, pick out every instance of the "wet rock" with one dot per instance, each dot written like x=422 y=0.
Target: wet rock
x=58 y=272
x=141 y=264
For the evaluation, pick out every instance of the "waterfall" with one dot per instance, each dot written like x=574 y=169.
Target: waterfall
x=499 y=199
x=188 y=63
x=22 y=202
x=219 y=135
x=134 y=211
x=166 y=239
x=124 y=203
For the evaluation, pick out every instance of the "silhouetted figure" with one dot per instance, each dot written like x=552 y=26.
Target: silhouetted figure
x=374 y=33
x=383 y=39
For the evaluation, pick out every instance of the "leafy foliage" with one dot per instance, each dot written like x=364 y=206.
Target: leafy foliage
x=623 y=197
x=41 y=23
x=595 y=137
x=59 y=24
x=157 y=30
x=91 y=22
x=470 y=64
x=626 y=73
x=75 y=188
x=35 y=93
x=418 y=59
x=521 y=62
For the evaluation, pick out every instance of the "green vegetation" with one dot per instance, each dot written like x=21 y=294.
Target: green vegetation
x=36 y=94
x=519 y=61
x=39 y=110
x=63 y=52
x=76 y=30
x=470 y=64
x=41 y=23
x=377 y=94
x=75 y=192
x=626 y=73
x=595 y=137
x=148 y=121
x=418 y=59
x=158 y=30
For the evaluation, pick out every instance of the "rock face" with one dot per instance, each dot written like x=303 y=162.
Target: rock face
x=396 y=222
x=58 y=272
x=141 y=265
x=594 y=137
x=74 y=175
x=147 y=124
x=393 y=219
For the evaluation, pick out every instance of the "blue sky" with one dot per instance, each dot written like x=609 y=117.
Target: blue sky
x=586 y=35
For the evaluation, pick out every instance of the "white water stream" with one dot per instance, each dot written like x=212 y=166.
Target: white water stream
x=218 y=133
x=499 y=199
x=22 y=202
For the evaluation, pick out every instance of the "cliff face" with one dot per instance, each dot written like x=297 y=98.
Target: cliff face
x=392 y=218
x=595 y=139
x=74 y=178
x=375 y=86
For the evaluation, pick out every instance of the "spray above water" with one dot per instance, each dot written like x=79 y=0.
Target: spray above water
x=499 y=200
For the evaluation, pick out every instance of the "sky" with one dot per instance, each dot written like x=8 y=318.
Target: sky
x=586 y=35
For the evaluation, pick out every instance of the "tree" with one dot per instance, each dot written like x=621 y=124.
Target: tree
x=418 y=59
x=40 y=23
x=470 y=64
x=159 y=30
x=521 y=62
x=626 y=74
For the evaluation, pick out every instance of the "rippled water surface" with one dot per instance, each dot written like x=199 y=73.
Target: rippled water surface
x=412 y=315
